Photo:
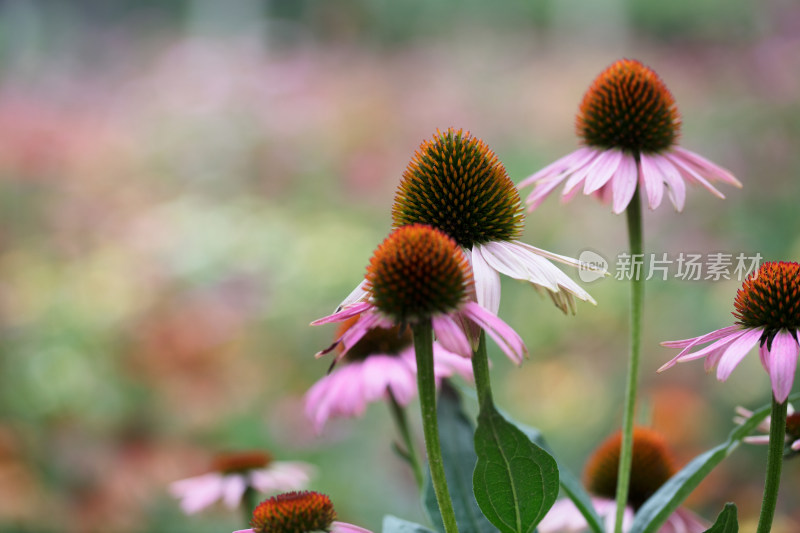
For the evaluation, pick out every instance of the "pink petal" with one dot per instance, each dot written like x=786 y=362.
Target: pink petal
x=542 y=189
x=198 y=492
x=579 y=173
x=676 y=187
x=684 y=521
x=451 y=336
x=624 y=184
x=562 y=517
x=724 y=337
x=782 y=364
x=505 y=337
x=607 y=164
x=565 y=165
x=688 y=171
x=736 y=351
x=365 y=323
x=711 y=170
x=346 y=312
x=487 y=281
x=652 y=179
x=233 y=487
x=359 y=294
x=447 y=363
x=702 y=339
x=251 y=530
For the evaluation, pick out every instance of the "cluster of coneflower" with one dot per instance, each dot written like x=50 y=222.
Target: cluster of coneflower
x=431 y=294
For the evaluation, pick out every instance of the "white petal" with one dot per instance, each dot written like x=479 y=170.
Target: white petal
x=487 y=281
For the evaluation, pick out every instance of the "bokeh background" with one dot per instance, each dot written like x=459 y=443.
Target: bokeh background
x=185 y=185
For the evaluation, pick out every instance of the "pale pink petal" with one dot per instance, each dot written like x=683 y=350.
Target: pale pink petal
x=736 y=352
x=506 y=259
x=251 y=530
x=343 y=314
x=702 y=339
x=367 y=321
x=359 y=294
x=233 y=487
x=282 y=476
x=343 y=527
x=505 y=337
x=722 y=336
x=782 y=364
x=710 y=169
x=563 y=517
x=579 y=173
x=689 y=173
x=447 y=363
x=487 y=281
x=684 y=521
x=763 y=355
x=451 y=336
x=757 y=439
x=542 y=189
x=676 y=187
x=607 y=164
x=624 y=184
x=652 y=179
x=198 y=492
x=795 y=445
x=564 y=165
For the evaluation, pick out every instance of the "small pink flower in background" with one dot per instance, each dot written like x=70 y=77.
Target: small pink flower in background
x=381 y=364
x=767 y=309
x=652 y=466
x=233 y=473
x=629 y=124
x=419 y=273
x=298 y=512
x=792 y=429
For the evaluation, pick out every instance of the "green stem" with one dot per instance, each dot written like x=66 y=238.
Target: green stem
x=634 y=215
x=777 y=435
x=480 y=369
x=410 y=452
x=249 y=502
x=426 y=383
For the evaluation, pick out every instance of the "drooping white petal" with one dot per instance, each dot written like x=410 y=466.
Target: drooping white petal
x=487 y=281
x=359 y=294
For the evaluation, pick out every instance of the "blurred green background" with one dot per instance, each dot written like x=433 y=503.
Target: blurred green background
x=185 y=185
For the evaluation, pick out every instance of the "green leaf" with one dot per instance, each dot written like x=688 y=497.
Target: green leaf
x=458 y=448
x=392 y=524
x=663 y=503
x=515 y=480
x=570 y=484
x=726 y=521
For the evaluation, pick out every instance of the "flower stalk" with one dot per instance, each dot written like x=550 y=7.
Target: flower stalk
x=410 y=451
x=426 y=383
x=635 y=239
x=777 y=435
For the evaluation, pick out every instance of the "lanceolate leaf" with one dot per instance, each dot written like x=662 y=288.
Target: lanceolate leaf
x=726 y=521
x=458 y=448
x=392 y=524
x=663 y=503
x=515 y=481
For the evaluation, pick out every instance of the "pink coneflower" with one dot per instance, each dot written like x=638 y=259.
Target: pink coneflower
x=792 y=429
x=652 y=466
x=298 y=512
x=233 y=473
x=419 y=273
x=767 y=309
x=381 y=364
x=456 y=184
x=629 y=125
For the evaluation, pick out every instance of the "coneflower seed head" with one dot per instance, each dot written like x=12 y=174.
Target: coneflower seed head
x=294 y=512
x=629 y=107
x=456 y=184
x=770 y=299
